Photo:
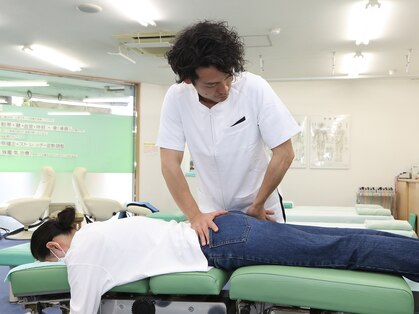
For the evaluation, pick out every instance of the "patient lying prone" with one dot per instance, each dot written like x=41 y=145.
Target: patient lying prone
x=103 y=255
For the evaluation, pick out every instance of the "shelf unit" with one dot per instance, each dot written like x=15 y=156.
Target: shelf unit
x=407 y=195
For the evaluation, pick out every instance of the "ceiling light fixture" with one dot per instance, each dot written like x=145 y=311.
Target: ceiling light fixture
x=368 y=22
x=89 y=8
x=373 y=5
x=358 y=64
x=141 y=11
x=23 y=83
x=52 y=56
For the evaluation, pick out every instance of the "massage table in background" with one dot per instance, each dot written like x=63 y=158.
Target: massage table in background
x=356 y=214
x=400 y=227
x=369 y=216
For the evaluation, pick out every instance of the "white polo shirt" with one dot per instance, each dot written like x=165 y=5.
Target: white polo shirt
x=227 y=142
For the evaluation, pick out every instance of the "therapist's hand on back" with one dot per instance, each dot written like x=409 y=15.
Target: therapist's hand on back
x=202 y=222
x=261 y=213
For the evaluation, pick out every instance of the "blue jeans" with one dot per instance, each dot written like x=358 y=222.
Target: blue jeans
x=243 y=240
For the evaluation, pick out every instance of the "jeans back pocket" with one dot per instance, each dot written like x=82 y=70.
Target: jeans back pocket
x=233 y=229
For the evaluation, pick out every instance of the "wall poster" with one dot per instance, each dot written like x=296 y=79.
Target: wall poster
x=300 y=143
x=329 y=141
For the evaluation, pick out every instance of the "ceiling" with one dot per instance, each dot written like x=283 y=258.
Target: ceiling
x=311 y=32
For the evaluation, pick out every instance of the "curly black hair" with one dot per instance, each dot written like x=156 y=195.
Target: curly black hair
x=205 y=44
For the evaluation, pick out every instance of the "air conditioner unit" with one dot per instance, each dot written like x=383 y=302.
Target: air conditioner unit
x=155 y=44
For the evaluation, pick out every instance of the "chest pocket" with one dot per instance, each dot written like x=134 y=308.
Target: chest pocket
x=239 y=136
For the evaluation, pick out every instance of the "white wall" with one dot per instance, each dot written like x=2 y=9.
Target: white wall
x=384 y=125
x=152 y=186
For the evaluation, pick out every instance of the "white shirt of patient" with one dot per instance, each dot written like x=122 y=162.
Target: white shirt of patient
x=111 y=253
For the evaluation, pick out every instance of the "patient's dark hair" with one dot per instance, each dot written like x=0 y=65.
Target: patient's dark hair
x=63 y=224
x=206 y=44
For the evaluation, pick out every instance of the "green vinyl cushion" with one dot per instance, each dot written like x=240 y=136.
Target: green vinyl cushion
x=16 y=255
x=53 y=279
x=327 y=289
x=42 y=278
x=167 y=216
x=39 y=280
x=197 y=283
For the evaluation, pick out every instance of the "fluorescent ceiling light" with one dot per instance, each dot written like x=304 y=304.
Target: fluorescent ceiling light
x=142 y=11
x=69 y=113
x=23 y=83
x=355 y=64
x=367 y=21
x=54 y=57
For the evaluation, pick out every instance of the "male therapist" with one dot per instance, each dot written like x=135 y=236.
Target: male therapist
x=227 y=117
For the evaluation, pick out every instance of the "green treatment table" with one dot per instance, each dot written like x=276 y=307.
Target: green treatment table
x=327 y=289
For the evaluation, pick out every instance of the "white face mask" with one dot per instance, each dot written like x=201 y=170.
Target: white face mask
x=59 y=259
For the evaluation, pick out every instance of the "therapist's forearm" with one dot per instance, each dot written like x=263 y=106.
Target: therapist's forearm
x=282 y=157
x=179 y=189
x=177 y=185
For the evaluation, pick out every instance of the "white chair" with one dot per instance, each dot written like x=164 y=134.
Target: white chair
x=98 y=208
x=30 y=210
